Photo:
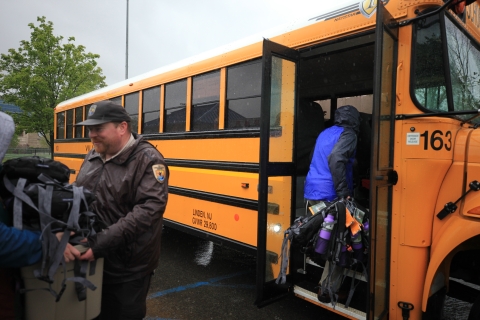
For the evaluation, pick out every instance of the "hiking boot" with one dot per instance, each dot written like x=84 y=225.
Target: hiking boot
x=323 y=296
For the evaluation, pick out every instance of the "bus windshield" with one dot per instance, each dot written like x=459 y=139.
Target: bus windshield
x=430 y=79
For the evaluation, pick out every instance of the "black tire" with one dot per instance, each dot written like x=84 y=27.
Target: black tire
x=435 y=305
x=475 y=311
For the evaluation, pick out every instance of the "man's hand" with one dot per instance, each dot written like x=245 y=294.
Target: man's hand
x=88 y=255
x=70 y=253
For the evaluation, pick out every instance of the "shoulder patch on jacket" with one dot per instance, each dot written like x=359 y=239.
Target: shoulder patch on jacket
x=159 y=172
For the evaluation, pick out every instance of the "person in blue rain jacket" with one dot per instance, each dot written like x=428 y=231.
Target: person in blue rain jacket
x=330 y=175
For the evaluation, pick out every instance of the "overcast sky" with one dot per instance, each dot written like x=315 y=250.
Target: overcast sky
x=160 y=31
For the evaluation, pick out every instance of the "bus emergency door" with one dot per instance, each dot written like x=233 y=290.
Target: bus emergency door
x=276 y=168
x=382 y=175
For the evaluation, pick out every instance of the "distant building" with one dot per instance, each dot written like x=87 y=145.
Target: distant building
x=30 y=140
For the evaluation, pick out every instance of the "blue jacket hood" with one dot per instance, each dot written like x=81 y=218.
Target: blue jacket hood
x=348 y=117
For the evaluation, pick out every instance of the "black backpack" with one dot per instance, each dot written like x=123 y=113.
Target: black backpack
x=300 y=235
x=36 y=192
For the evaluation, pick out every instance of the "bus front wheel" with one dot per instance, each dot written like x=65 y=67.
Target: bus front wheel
x=475 y=311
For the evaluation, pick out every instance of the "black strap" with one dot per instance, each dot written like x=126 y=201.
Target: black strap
x=285 y=253
x=341 y=231
x=330 y=284
x=80 y=270
x=352 y=286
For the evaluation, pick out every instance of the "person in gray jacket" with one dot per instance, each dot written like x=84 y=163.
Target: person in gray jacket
x=129 y=178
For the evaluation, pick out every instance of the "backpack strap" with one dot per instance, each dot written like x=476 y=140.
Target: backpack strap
x=332 y=282
x=282 y=275
x=51 y=256
x=17 y=203
x=342 y=231
x=80 y=268
x=352 y=286
x=81 y=282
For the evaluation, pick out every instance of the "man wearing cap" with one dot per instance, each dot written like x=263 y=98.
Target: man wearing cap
x=129 y=178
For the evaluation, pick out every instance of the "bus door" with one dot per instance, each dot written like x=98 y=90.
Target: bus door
x=382 y=175
x=276 y=170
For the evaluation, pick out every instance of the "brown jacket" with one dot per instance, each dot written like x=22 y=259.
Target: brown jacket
x=131 y=201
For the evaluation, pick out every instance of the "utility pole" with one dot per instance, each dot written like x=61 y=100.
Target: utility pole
x=126 y=53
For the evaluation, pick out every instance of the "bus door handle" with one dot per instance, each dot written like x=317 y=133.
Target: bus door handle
x=391 y=177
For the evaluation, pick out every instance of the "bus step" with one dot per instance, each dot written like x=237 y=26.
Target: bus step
x=339 y=307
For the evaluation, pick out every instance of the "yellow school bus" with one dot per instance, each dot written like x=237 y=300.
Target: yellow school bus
x=237 y=124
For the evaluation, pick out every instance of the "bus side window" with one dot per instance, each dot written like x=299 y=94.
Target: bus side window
x=131 y=105
x=151 y=110
x=205 y=101
x=175 y=106
x=244 y=83
x=85 y=115
x=117 y=100
x=61 y=125
x=78 y=118
x=69 y=127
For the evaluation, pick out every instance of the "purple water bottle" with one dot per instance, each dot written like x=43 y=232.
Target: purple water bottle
x=366 y=228
x=357 y=246
x=325 y=233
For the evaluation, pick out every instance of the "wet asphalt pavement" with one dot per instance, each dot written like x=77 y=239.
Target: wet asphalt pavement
x=197 y=279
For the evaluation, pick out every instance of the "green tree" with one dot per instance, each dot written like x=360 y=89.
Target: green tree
x=44 y=72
